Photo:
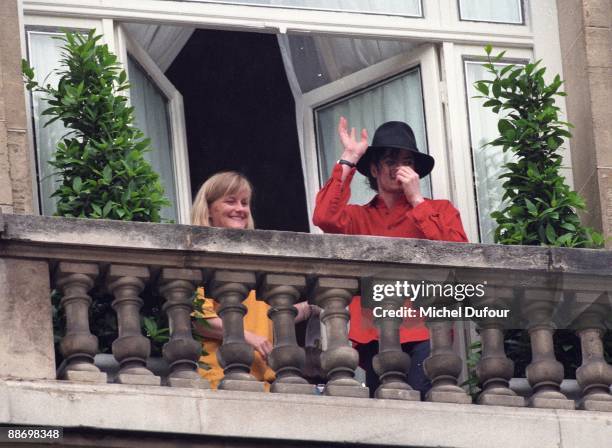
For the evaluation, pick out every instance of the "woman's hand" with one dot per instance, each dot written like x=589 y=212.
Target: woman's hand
x=353 y=149
x=259 y=343
x=410 y=184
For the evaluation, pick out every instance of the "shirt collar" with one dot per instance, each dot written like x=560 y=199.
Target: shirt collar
x=377 y=202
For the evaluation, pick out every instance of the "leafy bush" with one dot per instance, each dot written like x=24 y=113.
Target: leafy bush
x=540 y=207
x=100 y=159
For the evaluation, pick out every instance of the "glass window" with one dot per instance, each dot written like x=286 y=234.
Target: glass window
x=399 y=98
x=503 y=11
x=44 y=54
x=487 y=160
x=411 y=8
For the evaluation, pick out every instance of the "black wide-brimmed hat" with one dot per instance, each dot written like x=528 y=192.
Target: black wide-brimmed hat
x=396 y=134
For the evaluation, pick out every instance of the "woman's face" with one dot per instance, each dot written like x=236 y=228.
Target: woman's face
x=231 y=211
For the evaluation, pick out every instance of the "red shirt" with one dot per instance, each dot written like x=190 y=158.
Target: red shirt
x=432 y=220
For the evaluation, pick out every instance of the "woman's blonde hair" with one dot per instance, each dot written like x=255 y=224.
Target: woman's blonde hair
x=217 y=186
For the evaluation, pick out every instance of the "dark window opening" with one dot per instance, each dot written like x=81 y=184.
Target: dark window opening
x=240 y=115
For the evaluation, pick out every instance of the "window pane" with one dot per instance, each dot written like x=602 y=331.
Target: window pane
x=44 y=55
x=388 y=7
x=151 y=112
x=399 y=99
x=505 y=11
x=488 y=160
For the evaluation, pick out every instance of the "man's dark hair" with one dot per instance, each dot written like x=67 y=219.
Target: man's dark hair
x=375 y=158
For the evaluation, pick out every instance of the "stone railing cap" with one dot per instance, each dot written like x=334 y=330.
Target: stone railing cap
x=46 y=233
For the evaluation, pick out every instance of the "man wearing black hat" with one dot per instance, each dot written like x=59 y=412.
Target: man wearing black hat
x=393 y=165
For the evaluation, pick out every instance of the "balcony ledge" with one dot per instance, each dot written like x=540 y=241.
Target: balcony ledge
x=330 y=420
x=180 y=245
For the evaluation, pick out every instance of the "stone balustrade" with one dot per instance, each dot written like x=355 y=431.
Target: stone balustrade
x=545 y=288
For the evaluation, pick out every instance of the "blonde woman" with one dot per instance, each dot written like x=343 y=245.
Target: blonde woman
x=224 y=200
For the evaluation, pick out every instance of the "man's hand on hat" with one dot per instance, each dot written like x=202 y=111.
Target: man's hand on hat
x=353 y=149
x=410 y=184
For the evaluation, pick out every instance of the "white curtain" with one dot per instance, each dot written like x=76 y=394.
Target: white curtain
x=319 y=60
x=398 y=100
x=44 y=55
x=507 y=11
x=395 y=7
x=162 y=42
x=488 y=160
x=151 y=113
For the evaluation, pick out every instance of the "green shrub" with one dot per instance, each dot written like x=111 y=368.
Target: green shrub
x=100 y=159
x=540 y=207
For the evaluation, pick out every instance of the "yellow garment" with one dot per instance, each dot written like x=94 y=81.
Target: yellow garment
x=256 y=321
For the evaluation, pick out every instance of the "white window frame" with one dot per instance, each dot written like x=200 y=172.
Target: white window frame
x=440 y=26
x=459 y=131
x=440 y=22
x=425 y=58
x=176 y=115
x=314 y=8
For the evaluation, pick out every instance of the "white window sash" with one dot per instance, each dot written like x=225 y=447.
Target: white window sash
x=464 y=8
x=180 y=158
x=425 y=57
x=460 y=157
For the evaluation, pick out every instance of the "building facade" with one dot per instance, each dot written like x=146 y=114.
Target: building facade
x=371 y=61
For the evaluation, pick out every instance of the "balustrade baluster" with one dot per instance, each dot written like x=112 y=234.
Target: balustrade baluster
x=230 y=289
x=495 y=369
x=391 y=364
x=595 y=374
x=339 y=360
x=287 y=359
x=131 y=349
x=443 y=366
x=78 y=346
x=544 y=373
x=182 y=351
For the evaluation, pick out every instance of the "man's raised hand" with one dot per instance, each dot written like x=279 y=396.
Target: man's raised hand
x=353 y=149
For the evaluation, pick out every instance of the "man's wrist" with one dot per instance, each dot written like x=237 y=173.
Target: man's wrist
x=346 y=162
x=349 y=157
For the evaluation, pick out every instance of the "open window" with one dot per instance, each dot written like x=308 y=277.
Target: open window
x=158 y=110
x=404 y=87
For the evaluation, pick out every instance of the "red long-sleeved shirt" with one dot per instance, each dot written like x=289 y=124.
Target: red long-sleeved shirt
x=432 y=220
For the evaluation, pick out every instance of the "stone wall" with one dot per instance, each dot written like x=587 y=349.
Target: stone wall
x=26 y=332
x=585 y=28
x=15 y=176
